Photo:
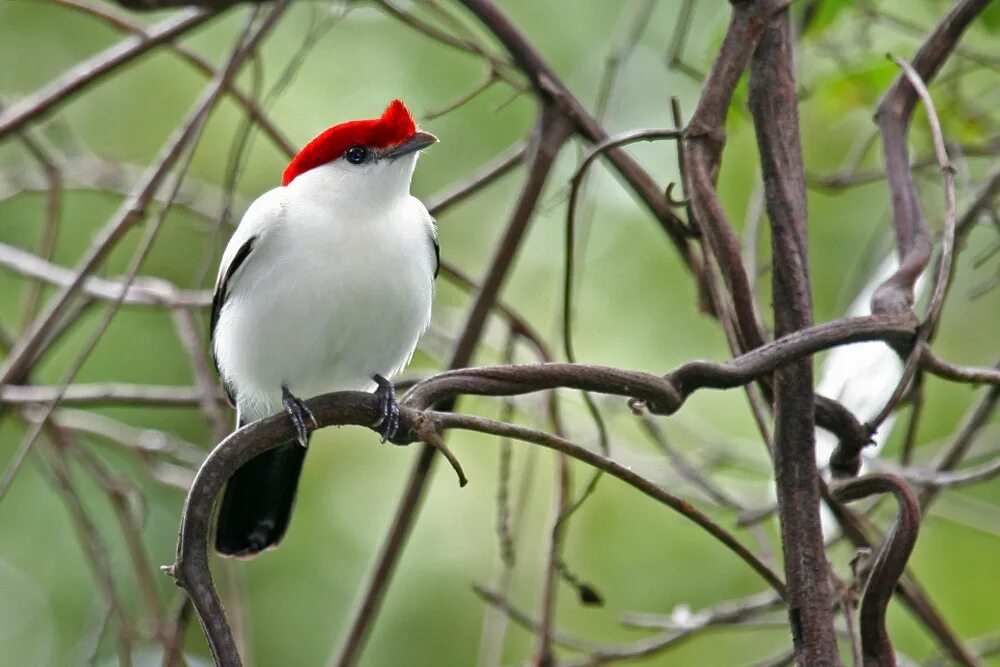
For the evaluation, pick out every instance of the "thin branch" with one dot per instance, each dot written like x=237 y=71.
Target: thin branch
x=945 y=266
x=893 y=118
x=36 y=106
x=889 y=565
x=144 y=291
x=252 y=109
x=112 y=393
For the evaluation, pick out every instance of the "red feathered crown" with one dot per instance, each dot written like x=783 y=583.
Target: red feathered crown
x=392 y=128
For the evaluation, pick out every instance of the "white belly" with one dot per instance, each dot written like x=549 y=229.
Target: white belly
x=323 y=306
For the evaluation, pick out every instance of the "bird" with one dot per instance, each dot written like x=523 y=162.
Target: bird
x=325 y=285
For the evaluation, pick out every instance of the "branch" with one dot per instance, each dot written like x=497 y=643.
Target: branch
x=552 y=91
x=893 y=117
x=191 y=568
x=142 y=291
x=88 y=72
x=249 y=105
x=109 y=393
x=705 y=138
x=154 y=5
x=890 y=564
x=945 y=264
x=774 y=106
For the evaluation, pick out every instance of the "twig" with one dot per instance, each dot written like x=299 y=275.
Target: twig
x=893 y=118
x=37 y=106
x=117 y=393
x=142 y=292
x=499 y=166
x=576 y=182
x=253 y=110
x=889 y=565
x=53 y=214
x=947 y=249
x=188 y=335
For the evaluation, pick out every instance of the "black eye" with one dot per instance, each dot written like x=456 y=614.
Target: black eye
x=357 y=154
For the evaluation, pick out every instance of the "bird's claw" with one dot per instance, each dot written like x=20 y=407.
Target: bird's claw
x=388 y=421
x=299 y=413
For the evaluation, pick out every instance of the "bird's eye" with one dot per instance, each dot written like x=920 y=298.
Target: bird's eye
x=357 y=154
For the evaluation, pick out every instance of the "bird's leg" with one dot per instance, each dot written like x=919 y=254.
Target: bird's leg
x=299 y=413
x=388 y=421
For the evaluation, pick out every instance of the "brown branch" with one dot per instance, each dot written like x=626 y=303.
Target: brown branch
x=893 y=117
x=111 y=393
x=249 y=105
x=889 y=565
x=79 y=78
x=142 y=291
x=661 y=394
x=774 y=106
x=909 y=591
x=191 y=569
x=945 y=264
x=553 y=92
x=705 y=138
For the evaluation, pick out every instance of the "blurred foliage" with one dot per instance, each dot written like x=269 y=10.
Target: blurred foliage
x=636 y=309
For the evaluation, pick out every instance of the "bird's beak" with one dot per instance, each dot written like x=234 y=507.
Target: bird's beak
x=418 y=141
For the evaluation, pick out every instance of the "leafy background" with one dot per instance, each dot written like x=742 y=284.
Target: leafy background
x=636 y=309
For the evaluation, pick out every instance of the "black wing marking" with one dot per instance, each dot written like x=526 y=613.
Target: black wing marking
x=437 y=249
x=219 y=300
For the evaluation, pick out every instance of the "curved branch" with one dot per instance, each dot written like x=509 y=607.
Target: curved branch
x=575 y=184
x=666 y=394
x=890 y=563
x=625 y=474
x=893 y=117
x=191 y=568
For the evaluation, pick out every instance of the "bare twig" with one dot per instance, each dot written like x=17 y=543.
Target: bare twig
x=37 y=106
x=889 y=565
x=947 y=248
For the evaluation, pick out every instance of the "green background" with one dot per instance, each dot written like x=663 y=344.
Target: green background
x=636 y=309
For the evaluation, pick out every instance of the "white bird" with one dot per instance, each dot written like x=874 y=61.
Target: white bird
x=326 y=285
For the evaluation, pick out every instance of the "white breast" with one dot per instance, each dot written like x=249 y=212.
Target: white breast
x=328 y=297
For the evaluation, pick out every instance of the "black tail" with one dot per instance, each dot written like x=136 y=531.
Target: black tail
x=258 y=501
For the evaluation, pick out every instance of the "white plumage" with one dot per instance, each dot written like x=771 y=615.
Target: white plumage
x=337 y=287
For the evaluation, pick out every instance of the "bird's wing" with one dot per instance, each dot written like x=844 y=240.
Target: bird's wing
x=437 y=246
x=262 y=212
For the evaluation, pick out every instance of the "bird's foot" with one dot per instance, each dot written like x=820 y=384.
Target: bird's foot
x=299 y=413
x=388 y=407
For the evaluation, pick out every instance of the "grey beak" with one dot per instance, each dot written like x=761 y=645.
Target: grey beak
x=418 y=141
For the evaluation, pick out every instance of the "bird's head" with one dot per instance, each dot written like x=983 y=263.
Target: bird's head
x=368 y=158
